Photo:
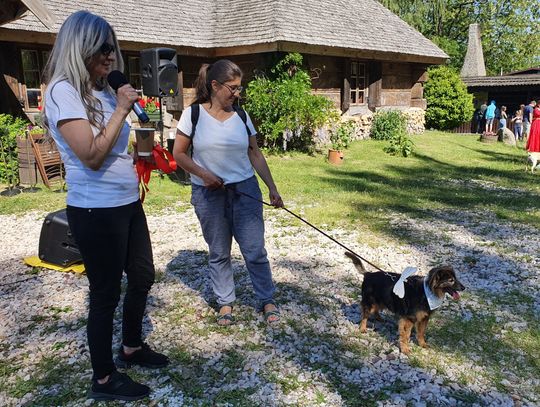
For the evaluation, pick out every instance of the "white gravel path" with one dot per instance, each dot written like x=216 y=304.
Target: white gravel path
x=316 y=356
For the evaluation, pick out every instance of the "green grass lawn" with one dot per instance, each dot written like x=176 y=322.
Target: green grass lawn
x=447 y=171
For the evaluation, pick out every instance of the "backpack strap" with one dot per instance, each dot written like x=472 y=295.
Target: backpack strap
x=243 y=115
x=195 y=112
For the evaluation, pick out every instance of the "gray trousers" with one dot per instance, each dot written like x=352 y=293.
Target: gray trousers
x=224 y=214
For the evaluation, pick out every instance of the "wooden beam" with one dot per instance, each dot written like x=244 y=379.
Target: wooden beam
x=181 y=50
x=357 y=54
x=26 y=37
x=245 y=49
x=41 y=12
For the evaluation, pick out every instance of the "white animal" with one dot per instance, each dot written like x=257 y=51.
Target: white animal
x=533 y=159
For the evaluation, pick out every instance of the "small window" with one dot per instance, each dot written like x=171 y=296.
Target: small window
x=134 y=71
x=358 y=83
x=33 y=62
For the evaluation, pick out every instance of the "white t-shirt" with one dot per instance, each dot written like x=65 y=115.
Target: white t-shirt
x=220 y=147
x=115 y=183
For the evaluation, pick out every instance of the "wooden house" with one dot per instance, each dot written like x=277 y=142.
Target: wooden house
x=358 y=53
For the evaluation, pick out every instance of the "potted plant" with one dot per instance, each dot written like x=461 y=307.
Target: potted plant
x=151 y=107
x=340 y=138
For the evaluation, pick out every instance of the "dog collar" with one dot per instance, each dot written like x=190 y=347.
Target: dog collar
x=433 y=301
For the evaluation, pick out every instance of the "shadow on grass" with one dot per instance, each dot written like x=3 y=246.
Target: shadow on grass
x=419 y=190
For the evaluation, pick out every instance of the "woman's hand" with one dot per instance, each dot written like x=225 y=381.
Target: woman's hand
x=125 y=97
x=212 y=181
x=275 y=198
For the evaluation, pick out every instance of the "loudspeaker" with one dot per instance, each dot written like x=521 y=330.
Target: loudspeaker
x=56 y=245
x=159 y=72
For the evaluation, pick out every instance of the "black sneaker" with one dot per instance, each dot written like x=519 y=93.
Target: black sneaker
x=119 y=387
x=145 y=357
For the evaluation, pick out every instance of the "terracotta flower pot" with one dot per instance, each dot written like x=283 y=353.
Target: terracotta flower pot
x=335 y=157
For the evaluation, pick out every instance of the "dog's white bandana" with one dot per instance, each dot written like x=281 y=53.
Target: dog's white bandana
x=433 y=301
x=399 y=287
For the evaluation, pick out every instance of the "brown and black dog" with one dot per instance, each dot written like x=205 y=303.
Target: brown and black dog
x=413 y=309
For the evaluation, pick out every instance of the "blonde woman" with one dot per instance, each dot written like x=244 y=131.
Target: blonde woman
x=89 y=124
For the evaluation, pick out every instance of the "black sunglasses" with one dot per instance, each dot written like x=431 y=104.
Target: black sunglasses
x=106 y=49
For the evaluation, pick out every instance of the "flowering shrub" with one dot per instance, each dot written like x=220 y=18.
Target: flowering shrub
x=150 y=105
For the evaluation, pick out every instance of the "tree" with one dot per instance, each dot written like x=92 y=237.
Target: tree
x=509 y=29
x=449 y=103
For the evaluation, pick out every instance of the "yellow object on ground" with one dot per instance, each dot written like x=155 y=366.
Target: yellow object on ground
x=35 y=261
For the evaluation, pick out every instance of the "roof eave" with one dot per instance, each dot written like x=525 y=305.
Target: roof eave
x=288 y=46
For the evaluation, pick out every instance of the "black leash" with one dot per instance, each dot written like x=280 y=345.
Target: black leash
x=314 y=227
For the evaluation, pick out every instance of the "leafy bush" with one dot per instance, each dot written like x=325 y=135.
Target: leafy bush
x=448 y=102
x=387 y=125
x=10 y=128
x=400 y=144
x=392 y=125
x=287 y=112
x=341 y=135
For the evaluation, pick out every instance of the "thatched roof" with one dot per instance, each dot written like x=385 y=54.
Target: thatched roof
x=329 y=26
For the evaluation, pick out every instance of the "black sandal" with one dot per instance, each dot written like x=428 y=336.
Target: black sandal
x=227 y=318
x=273 y=313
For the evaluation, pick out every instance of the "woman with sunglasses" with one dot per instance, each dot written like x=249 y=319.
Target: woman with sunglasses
x=91 y=128
x=225 y=191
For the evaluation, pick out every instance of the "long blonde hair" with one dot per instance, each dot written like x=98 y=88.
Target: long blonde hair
x=77 y=42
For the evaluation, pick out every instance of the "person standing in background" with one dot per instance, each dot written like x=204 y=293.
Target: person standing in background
x=518 y=124
x=527 y=118
x=503 y=118
x=490 y=116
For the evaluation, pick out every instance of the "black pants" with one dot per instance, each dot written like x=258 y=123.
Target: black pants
x=111 y=241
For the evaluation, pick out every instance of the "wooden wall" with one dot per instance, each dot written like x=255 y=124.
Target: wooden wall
x=10 y=91
x=388 y=83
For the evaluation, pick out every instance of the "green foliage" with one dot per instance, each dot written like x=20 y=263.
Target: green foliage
x=400 y=144
x=287 y=112
x=507 y=37
x=392 y=125
x=387 y=125
x=448 y=103
x=10 y=128
x=341 y=135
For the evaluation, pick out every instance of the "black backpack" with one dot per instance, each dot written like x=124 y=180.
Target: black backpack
x=196 y=111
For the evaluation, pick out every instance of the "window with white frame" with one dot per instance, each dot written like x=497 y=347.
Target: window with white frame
x=33 y=61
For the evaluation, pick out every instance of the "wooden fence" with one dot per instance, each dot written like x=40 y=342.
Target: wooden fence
x=472 y=126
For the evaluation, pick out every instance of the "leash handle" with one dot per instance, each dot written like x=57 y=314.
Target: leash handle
x=314 y=227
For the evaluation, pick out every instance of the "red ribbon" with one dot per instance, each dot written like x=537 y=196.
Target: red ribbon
x=163 y=160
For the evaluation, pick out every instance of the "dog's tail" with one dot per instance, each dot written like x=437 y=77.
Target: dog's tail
x=357 y=262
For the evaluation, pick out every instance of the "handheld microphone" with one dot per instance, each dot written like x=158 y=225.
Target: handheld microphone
x=117 y=79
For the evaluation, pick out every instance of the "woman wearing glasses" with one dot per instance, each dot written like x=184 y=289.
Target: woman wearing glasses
x=89 y=124
x=225 y=191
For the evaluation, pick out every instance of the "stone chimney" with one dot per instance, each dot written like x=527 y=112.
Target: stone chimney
x=474 y=59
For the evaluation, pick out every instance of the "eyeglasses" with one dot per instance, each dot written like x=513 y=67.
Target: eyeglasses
x=233 y=90
x=106 y=49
